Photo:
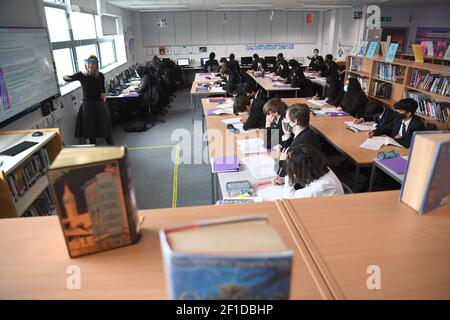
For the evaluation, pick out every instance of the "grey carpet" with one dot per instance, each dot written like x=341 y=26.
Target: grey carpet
x=153 y=168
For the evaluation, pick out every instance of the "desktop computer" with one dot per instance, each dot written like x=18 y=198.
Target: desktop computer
x=270 y=60
x=203 y=61
x=183 y=62
x=246 y=61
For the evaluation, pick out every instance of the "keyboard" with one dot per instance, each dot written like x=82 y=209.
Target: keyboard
x=18 y=148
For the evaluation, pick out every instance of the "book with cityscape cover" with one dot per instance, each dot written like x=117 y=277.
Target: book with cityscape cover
x=94 y=198
x=426 y=185
x=244 y=258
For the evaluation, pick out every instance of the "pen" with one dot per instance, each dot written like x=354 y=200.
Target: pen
x=260 y=184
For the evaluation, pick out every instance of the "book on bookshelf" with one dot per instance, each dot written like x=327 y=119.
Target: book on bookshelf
x=389 y=72
x=244 y=258
x=426 y=186
x=427 y=81
x=22 y=178
x=94 y=198
x=355 y=64
x=42 y=206
x=427 y=107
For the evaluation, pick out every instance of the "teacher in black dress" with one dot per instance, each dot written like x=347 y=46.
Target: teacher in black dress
x=93 y=120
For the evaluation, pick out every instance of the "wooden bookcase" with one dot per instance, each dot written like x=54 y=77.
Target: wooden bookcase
x=363 y=67
x=51 y=140
x=427 y=59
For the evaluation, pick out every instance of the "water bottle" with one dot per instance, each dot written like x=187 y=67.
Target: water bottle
x=388 y=154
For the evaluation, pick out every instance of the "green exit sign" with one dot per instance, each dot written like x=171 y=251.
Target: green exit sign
x=387 y=19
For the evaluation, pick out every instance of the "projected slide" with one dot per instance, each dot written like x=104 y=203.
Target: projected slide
x=27 y=75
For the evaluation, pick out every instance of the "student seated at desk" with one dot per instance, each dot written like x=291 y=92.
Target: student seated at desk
x=275 y=112
x=316 y=63
x=334 y=90
x=233 y=64
x=147 y=82
x=331 y=67
x=354 y=100
x=307 y=174
x=296 y=131
x=231 y=84
x=375 y=111
x=253 y=103
x=224 y=67
x=402 y=128
x=255 y=62
x=211 y=65
x=297 y=79
x=282 y=69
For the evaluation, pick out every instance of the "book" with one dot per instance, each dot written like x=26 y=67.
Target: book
x=427 y=48
x=225 y=164
x=426 y=184
x=362 y=48
x=244 y=258
x=391 y=52
x=426 y=106
x=94 y=199
x=418 y=53
x=375 y=143
x=372 y=49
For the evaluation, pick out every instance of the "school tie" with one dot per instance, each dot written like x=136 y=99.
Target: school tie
x=403 y=129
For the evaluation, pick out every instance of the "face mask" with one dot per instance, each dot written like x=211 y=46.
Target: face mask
x=316 y=54
x=402 y=116
x=290 y=68
x=346 y=88
x=287 y=127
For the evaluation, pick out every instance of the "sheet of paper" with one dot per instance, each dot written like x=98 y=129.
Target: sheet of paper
x=367 y=126
x=323 y=111
x=237 y=200
x=260 y=166
x=231 y=120
x=372 y=144
x=317 y=102
x=224 y=111
x=390 y=141
x=270 y=192
x=250 y=145
x=225 y=105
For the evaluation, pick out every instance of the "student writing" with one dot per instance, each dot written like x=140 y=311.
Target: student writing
x=354 y=99
x=275 y=112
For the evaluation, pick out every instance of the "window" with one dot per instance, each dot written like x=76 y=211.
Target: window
x=83 y=52
x=57 y=24
x=64 y=64
x=107 y=53
x=72 y=45
x=83 y=26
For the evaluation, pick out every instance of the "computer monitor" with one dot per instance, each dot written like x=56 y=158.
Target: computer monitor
x=203 y=61
x=271 y=60
x=183 y=62
x=246 y=61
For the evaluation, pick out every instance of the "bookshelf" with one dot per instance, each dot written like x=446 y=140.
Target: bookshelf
x=428 y=59
x=31 y=164
x=407 y=79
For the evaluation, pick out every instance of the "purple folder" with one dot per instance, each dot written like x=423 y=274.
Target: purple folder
x=337 y=113
x=200 y=89
x=282 y=85
x=217 y=100
x=225 y=164
x=211 y=112
x=131 y=94
x=398 y=165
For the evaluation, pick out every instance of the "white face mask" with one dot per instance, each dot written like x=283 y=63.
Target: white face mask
x=316 y=54
x=346 y=87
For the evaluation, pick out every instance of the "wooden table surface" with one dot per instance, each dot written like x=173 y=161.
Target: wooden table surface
x=347 y=234
x=34 y=257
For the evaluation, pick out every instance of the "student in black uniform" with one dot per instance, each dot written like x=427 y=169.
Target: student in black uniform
x=275 y=112
x=331 y=67
x=334 y=91
x=296 y=125
x=375 y=111
x=231 y=81
x=402 y=128
x=254 y=104
x=316 y=63
x=255 y=62
x=282 y=69
x=211 y=65
x=93 y=119
x=233 y=64
x=354 y=100
x=223 y=66
x=297 y=79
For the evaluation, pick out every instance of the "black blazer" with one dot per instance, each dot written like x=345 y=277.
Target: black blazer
x=256 y=117
x=278 y=125
x=211 y=66
x=387 y=116
x=234 y=65
x=392 y=128
x=331 y=67
x=307 y=136
x=147 y=82
x=335 y=95
x=355 y=104
x=314 y=64
x=231 y=85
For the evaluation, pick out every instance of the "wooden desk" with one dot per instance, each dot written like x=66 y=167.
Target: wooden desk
x=268 y=85
x=347 y=142
x=346 y=234
x=34 y=258
x=201 y=77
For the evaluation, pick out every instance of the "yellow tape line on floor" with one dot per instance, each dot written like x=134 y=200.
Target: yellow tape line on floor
x=175 y=168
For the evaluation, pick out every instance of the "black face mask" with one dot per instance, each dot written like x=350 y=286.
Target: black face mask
x=402 y=116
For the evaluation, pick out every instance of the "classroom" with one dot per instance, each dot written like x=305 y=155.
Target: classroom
x=224 y=150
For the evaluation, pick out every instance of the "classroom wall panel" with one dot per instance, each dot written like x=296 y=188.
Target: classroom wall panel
x=150 y=32
x=167 y=34
x=215 y=27
x=263 y=27
x=279 y=27
x=294 y=26
x=326 y=27
x=248 y=26
x=199 y=23
x=183 y=35
x=310 y=31
x=232 y=28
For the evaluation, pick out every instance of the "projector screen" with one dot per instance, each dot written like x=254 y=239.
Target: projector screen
x=27 y=74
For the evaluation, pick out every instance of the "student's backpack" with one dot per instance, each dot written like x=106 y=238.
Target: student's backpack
x=137 y=125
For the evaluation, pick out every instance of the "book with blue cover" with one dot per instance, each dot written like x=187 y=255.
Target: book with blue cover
x=372 y=49
x=391 y=52
x=238 y=258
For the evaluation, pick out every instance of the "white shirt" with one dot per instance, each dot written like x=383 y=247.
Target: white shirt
x=327 y=185
x=405 y=123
